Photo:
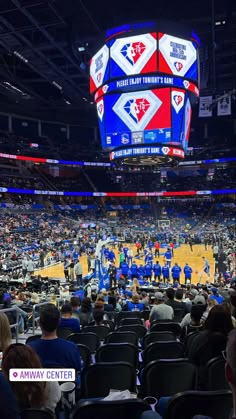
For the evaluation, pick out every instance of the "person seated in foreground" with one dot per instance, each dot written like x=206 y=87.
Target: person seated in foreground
x=52 y=350
x=67 y=320
x=36 y=394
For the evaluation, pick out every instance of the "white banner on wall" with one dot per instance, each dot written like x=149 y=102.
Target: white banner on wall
x=224 y=106
x=205 y=106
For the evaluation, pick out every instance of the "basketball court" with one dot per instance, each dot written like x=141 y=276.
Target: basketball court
x=182 y=255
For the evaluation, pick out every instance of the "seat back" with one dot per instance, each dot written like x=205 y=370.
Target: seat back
x=125 y=409
x=90 y=340
x=32 y=338
x=130 y=320
x=145 y=314
x=122 y=337
x=174 y=375
x=36 y=414
x=64 y=332
x=101 y=331
x=163 y=350
x=157 y=337
x=139 y=330
x=126 y=314
x=178 y=314
x=216 y=379
x=85 y=354
x=99 y=378
x=215 y=404
x=165 y=327
x=114 y=352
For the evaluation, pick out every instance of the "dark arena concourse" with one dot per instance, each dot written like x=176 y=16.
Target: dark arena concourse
x=117 y=209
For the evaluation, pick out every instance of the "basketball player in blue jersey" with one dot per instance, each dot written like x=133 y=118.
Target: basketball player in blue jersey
x=165 y=272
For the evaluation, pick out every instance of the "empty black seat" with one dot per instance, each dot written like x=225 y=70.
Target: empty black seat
x=122 y=337
x=139 y=330
x=98 y=379
x=90 y=340
x=126 y=314
x=162 y=350
x=100 y=331
x=215 y=404
x=85 y=354
x=64 y=332
x=31 y=338
x=117 y=409
x=114 y=352
x=216 y=379
x=131 y=320
x=165 y=327
x=157 y=337
x=167 y=377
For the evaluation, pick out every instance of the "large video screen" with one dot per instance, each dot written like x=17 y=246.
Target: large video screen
x=133 y=55
x=144 y=117
x=99 y=68
x=177 y=56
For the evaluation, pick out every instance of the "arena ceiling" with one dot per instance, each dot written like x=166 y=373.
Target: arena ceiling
x=42 y=69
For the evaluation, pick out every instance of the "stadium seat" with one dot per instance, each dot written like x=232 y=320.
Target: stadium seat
x=90 y=340
x=165 y=378
x=31 y=338
x=162 y=350
x=126 y=322
x=216 y=379
x=145 y=314
x=64 y=332
x=122 y=337
x=100 y=331
x=179 y=314
x=136 y=328
x=98 y=379
x=114 y=352
x=165 y=327
x=126 y=314
x=85 y=354
x=215 y=404
x=157 y=337
x=125 y=409
x=36 y=414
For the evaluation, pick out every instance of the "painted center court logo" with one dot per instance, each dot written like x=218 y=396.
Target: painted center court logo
x=133 y=51
x=178 y=66
x=136 y=109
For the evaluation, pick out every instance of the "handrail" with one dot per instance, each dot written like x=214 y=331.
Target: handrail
x=16 y=325
x=36 y=318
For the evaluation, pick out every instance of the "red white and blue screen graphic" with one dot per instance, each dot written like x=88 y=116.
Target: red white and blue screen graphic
x=144 y=117
x=133 y=55
x=178 y=56
x=99 y=68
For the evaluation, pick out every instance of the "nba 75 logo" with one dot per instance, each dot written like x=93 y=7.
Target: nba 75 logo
x=133 y=51
x=178 y=66
x=136 y=108
x=178 y=99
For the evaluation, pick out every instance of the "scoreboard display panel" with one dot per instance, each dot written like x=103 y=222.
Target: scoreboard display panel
x=144 y=85
x=144 y=117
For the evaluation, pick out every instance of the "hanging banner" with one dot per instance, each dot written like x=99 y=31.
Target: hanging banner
x=205 y=106
x=224 y=106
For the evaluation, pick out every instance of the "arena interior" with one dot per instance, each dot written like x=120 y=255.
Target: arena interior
x=117 y=256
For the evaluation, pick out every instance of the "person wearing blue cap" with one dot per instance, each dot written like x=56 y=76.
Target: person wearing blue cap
x=216 y=296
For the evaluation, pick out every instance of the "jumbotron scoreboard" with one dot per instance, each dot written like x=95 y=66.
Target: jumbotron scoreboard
x=145 y=81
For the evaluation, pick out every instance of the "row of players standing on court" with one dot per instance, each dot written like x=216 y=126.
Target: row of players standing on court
x=130 y=269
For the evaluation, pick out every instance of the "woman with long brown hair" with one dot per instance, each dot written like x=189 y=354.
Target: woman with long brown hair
x=36 y=394
x=5 y=333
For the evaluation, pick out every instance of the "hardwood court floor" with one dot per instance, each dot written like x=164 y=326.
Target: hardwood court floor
x=182 y=255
